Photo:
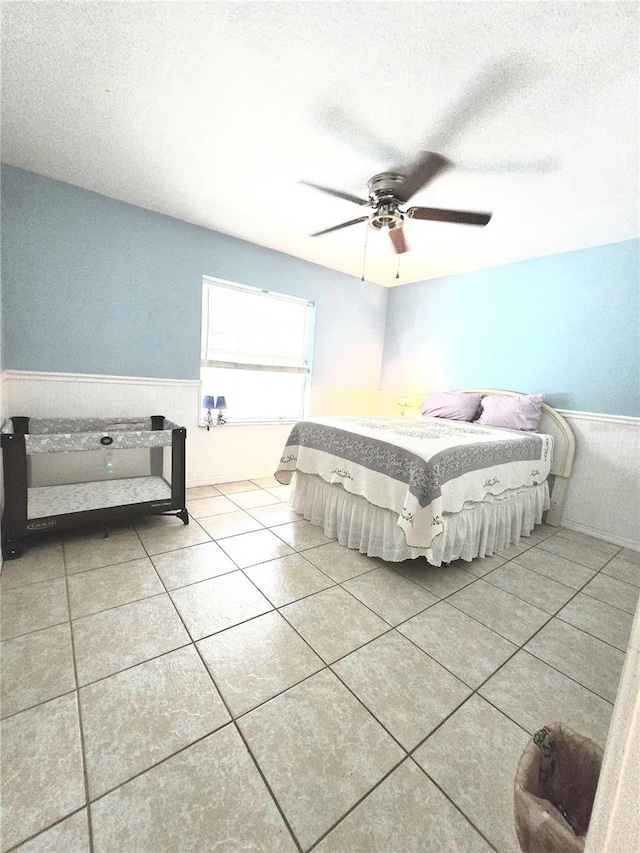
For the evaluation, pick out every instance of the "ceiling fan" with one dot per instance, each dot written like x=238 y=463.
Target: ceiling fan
x=389 y=190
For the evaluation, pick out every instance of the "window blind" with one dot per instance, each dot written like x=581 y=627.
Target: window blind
x=247 y=328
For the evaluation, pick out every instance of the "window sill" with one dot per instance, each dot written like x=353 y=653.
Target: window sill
x=251 y=423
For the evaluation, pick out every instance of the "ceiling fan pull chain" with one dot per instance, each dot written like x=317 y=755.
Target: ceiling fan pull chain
x=364 y=258
x=398 y=267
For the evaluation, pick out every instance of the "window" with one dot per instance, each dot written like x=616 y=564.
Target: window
x=256 y=351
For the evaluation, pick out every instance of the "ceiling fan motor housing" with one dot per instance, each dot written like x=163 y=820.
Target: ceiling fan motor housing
x=382 y=189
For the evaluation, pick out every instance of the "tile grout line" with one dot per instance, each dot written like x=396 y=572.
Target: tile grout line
x=328 y=666
x=232 y=720
x=46 y=829
x=79 y=704
x=520 y=648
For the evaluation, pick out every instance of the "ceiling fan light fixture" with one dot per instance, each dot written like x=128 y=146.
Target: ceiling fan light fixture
x=386 y=216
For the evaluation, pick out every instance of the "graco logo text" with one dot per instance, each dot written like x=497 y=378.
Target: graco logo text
x=40 y=525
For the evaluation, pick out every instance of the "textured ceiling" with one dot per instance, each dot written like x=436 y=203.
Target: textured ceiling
x=213 y=112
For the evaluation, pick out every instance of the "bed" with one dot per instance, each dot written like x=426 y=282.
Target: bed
x=407 y=487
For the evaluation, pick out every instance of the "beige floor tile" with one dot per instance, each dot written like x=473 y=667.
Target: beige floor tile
x=115 y=639
x=333 y=622
x=38 y=563
x=136 y=718
x=249 y=549
x=255 y=661
x=480 y=566
x=218 y=603
x=283 y=493
x=589 y=661
x=555 y=567
x=320 y=751
x=42 y=779
x=406 y=812
x=512 y=551
x=623 y=570
x=473 y=757
x=69 y=836
x=592 y=558
x=190 y=565
x=266 y=482
x=205 y=507
x=534 y=694
x=505 y=614
x=254 y=498
x=96 y=532
x=613 y=591
x=407 y=691
x=389 y=594
x=94 y=552
x=301 y=535
x=230 y=524
x=536 y=589
x=197 y=492
x=101 y=589
x=146 y=522
x=340 y=563
x=172 y=537
x=465 y=647
x=589 y=541
x=539 y=533
x=276 y=514
x=287 y=579
x=599 y=619
x=237 y=488
x=630 y=556
x=31 y=607
x=440 y=581
x=36 y=667
x=211 y=790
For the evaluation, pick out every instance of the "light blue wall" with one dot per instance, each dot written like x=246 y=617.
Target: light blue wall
x=567 y=325
x=93 y=285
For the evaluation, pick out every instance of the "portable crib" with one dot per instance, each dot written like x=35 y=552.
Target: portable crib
x=64 y=473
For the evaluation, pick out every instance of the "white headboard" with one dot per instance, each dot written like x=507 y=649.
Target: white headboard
x=564 y=447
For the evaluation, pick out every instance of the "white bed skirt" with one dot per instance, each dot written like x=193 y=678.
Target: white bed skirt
x=479 y=530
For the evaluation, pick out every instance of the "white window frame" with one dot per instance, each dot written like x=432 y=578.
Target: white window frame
x=273 y=366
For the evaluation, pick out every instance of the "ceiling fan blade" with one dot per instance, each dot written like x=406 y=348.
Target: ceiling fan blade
x=486 y=95
x=424 y=171
x=346 y=127
x=399 y=243
x=342 y=225
x=436 y=214
x=338 y=193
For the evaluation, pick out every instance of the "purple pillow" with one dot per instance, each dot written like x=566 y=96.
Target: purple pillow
x=451 y=404
x=519 y=412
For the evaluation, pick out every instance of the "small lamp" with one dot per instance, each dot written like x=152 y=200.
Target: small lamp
x=403 y=402
x=208 y=404
x=221 y=404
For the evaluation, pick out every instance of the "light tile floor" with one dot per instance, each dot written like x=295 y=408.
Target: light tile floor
x=246 y=683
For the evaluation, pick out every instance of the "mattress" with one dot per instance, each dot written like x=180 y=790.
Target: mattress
x=44 y=501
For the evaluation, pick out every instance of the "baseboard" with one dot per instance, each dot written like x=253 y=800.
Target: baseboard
x=605 y=535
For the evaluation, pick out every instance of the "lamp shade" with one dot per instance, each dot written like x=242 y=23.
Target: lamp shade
x=221 y=403
x=208 y=403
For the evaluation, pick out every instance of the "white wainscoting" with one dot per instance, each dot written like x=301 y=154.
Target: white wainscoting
x=603 y=497
x=220 y=455
x=603 y=493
